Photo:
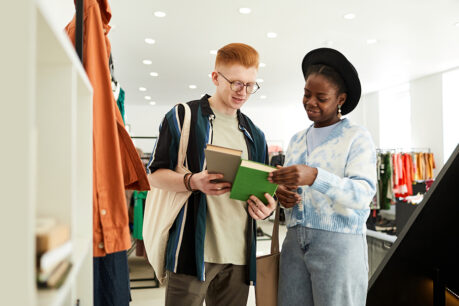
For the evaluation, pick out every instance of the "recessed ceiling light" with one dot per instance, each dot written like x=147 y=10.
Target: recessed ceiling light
x=142 y=89
x=152 y=103
x=245 y=10
x=262 y=65
x=147 y=62
x=349 y=16
x=147 y=98
x=154 y=74
x=213 y=52
x=262 y=97
x=260 y=80
x=271 y=35
x=192 y=86
x=371 y=41
x=149 y=41
x=160 y=14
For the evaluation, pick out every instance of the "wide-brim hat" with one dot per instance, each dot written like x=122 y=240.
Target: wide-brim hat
x=339 y=62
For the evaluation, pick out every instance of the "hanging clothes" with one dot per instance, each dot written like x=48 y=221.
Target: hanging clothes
x=408 y=174
x=390 y=189
x=385 y=173
x=430 y=166
x=420 y=173
x=139 y=204
x=116 y=164
x=120 y=103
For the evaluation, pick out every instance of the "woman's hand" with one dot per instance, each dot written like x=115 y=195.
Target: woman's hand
x=296 y=175
x=205 y=182
x=258 y=210
x=287 y=196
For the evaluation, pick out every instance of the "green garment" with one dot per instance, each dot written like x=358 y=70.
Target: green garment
x=385 y=175
x=120 y=103
x=139 y=200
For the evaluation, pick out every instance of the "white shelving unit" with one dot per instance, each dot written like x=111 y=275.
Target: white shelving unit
x=46 y=155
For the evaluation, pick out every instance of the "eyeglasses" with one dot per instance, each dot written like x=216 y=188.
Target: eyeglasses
x=250 y=88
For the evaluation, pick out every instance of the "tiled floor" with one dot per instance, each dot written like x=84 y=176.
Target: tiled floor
x=139 y=268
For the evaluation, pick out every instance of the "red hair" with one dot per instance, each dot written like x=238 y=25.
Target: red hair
x=237 y=53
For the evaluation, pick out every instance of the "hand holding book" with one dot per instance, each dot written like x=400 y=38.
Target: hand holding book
x=295 y=175
x=209 y=184
x=247 y=177
x=258 y=210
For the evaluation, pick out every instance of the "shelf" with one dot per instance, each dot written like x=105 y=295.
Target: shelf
x=56 y=297
x=51 y=116
x=55 y=48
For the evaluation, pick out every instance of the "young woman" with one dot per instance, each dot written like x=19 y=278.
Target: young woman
x=327 y=184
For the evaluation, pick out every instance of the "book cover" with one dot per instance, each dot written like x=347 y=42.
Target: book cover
x=252 y=179
x=223 y=160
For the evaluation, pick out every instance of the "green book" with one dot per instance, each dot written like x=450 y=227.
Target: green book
x=252 y=179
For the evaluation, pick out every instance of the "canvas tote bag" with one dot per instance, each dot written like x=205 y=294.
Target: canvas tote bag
x=268 y=270
x=162 y=207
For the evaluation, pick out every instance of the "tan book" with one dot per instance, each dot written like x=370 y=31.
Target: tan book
x=51 y=236
x=57 y=277
x=223 y=160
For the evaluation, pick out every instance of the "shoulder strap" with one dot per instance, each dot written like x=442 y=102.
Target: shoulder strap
x=275 y=234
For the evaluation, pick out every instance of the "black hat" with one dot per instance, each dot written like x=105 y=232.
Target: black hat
x=339 y=62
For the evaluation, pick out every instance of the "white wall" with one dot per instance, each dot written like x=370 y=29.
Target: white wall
x=144 y=121
x=433 y=117
x=450 y=112
x=427 y=116
x=58 y=12
x=429 y=108
x=395 y=118
x=279 y=123
x=367 y=114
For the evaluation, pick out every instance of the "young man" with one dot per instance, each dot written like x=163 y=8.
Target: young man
x=212 y=245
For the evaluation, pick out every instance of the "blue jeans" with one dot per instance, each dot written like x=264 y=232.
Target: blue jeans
x=322 y=268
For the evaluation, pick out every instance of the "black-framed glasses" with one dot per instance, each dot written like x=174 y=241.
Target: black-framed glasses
x=250 y=88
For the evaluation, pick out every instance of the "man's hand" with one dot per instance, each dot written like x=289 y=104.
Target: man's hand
x=205 y=183
x=287 y=196
x=296 y=175
x=258 y=210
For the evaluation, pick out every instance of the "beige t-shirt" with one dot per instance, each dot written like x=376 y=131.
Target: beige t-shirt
x=226 y=220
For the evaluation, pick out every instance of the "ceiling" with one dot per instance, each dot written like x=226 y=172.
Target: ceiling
x=414 y=38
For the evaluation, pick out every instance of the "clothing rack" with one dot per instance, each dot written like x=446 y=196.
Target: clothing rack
x=403 y=150
x=144 y=137
x=79 y=4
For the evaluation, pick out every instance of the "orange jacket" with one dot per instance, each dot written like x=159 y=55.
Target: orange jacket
x=116 y=164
